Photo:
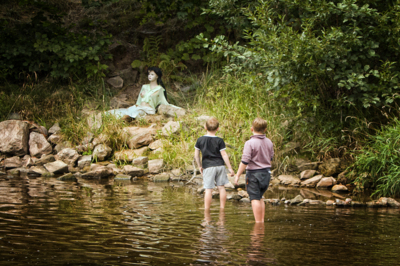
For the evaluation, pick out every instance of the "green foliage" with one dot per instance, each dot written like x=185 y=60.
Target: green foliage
x=329 y=57
x=378 y=162
x=44 y=46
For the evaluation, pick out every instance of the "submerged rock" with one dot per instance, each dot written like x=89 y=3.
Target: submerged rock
x=296 y=200
x=67 y=177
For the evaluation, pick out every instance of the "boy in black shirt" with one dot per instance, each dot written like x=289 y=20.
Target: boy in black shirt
x=214 y=158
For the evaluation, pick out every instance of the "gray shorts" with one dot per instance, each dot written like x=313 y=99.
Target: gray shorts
x=214 y=175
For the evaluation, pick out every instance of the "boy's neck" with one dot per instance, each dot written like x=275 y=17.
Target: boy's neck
x=211 y=133
x=258 y=133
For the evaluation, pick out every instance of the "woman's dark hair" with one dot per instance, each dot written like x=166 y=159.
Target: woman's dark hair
x=159 y=81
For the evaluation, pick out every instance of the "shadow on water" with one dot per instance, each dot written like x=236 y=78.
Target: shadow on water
x=44 y=221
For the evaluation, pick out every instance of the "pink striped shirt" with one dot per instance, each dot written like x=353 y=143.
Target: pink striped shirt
x=258 y=152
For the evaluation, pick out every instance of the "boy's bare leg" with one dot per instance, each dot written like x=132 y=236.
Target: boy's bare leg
x=207 y=198
x=258 y=207
x=222 y=196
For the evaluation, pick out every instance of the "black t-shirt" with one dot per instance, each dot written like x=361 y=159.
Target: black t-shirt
x=211 y=147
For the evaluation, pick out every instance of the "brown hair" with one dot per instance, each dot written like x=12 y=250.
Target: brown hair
x=259 y=125
x=212 y=124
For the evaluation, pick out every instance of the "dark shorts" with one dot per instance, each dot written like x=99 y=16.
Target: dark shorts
x=257 y=182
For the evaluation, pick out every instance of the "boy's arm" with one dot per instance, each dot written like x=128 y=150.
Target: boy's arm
x=197 y=159
x=226 y=160
x=241 y=169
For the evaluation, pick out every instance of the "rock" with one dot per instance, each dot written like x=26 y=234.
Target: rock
x=120 y=101
x=275 y=202
x=140 y=160
x=382 y=201
x=45 y=159
x=133 y=171
x=229 y=186
x=128 y=75
x=243 y=194
x=67 y=177
x=156 y=145
x=55 y=129
x=393 y=203
x=139 y=137
x=27 y=161
x=329 y=202
x=15 y=171
x=342 y=178
x=296 y=200
x=201 y=190
x=83 y=148
x=245 y=200
x=55 y=139
x=38 y=145
x=94 y=166
x=176 y=172
x=116 y=82
x=164 y=177
x=287 y=202
x=88 y=139
x=73 y=169
x=39 y=170
x=215 y=194
x=312 y=182
x=306 y=174
x=101 y=139
x=68 y=156
x=373 y=204
x=316 y=202
x=95 y=121
x=340 y=189
x=63 y=145
x=326 y=182
x=57 y=167
x=241 y=182
x=101 y=152
x=155 y=166
x=202 y=119
x=84 y=160
x=304 y=202
x=12 y=162
x=130 y=155
x=14 y=137
x=236 y=197
x=99 y=173
x=308 y=166
x=170 y=128
x=330 y=167
x=159 y=150
x=171 y=111
x=122 y=177
x=289 y=180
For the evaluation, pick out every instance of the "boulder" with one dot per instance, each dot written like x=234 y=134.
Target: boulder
x=130 y=155
x=139 y=137
x=55 y=139
x=94 y=121
x=67 y=177
x=241 y=182
x=171 y=111
x=60 y=146
x=27 y=161
x=155 y=166
x=133 y=171
x=156 y=145
x=164 y=177
x=316 y=202
x=170 y=128
x=12 y=162
x=243 y=193
x=330 y=167
x=298 y=199
x=84 y=161
x=312 y=182
x=306 y=174
x=159 y=150
x=14 y=137
x=342 y=178
x=289 y=180
x=83 y=148
x=101 y=139
x=101 y=152
x=326 y=182
x=140 y=160
x=122 y=177
x=202 y=119
x=68 y=156
x=88 y=139
x=340 y=189
x=329 y=202
x=116 y=82
x=229 y=186
x=245 y=200
x=45 y=159
x=57 y=167
x=393 y=203
x=38 y=145
x=99 y=173
x=55 y=129
x=128 y=75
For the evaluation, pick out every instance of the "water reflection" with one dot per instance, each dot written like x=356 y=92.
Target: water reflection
x=49 y=222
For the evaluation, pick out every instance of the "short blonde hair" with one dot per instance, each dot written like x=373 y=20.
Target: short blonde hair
x=259 y=125
x=212 y=124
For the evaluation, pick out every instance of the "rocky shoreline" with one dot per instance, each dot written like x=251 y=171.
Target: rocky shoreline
x=32 y=150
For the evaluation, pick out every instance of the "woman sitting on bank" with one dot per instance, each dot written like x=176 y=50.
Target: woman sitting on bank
x=150 y=96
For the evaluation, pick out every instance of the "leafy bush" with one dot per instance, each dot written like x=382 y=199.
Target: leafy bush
x=44 y=46
x=379 y=162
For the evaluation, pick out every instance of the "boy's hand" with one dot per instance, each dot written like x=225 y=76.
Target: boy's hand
x=236 y=180
x=232 y=172
x=201 y=170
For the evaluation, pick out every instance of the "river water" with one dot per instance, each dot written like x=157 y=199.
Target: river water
x=48 y=222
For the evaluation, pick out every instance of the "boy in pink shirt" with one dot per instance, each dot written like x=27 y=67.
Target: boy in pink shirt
x=256 y=159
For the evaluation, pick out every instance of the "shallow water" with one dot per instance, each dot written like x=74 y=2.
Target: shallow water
x=48 y=222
